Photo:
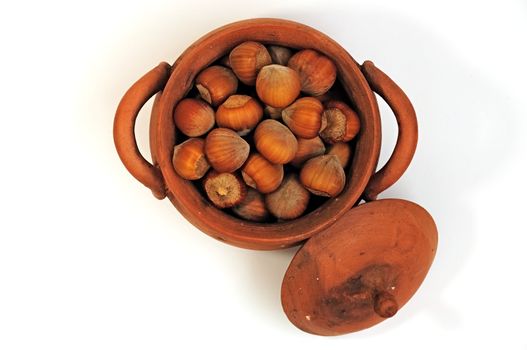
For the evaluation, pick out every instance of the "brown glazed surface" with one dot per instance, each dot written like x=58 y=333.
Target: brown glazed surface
x=163 y=180
x=359 y=271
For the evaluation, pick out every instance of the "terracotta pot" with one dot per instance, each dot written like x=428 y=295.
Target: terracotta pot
x=172 y=83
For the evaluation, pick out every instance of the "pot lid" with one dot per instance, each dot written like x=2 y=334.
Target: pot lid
x=361 y=270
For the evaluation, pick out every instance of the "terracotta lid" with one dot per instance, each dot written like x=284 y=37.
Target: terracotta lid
x=361 y=270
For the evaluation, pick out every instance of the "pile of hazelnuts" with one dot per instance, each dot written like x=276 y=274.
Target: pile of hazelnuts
x=281 y=136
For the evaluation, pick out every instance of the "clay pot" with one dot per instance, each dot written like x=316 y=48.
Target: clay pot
x=171 y=84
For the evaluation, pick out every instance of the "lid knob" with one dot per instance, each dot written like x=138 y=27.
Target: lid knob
x=385 y=305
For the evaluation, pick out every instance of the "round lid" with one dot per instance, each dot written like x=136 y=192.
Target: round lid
x=361 y=270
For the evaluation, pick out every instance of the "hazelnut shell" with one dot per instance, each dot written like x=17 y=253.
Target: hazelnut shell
x=280 y=54
x=343 y=152
x=193 y=117
x=339 y=123
x=323 y=176
x=273 y=112
x=289 y=201
x=277 y=86
x=216 y=83
x=247 y=59
x=275 y=141
x=226 y=151
x=240 y=113
x=307 y=149
x=252 y=208
x=189 y=159
x=261 y=174
x=317 y=72
x=304 y=117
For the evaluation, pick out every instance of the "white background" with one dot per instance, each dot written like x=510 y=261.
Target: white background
x=90 y=260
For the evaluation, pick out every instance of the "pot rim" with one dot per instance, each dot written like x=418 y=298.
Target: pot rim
x=188 y=199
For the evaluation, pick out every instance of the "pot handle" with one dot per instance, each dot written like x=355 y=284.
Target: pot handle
x=407 y=138
x=124 y=123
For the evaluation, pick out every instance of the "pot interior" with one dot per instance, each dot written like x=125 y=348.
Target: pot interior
x=189 y=200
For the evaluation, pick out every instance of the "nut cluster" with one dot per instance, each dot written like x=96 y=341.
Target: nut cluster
x=265 y=132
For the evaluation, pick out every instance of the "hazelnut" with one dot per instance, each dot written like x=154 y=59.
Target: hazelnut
x=339 y=123
x=323 y=176
x=247 y=59
x=304 y=117
x=277 y=86
x=279 y=54
x=240 y=113
x=224 y=189
x=189 y=159
x=317 y=72
x=216 y=83
x=307 y=149
x=226 y=150
x=252 y=208
x=289 y=201
x=261 y=174
x=343 y=152
x=272 y=112
x=275 y=142
x=193 y=117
